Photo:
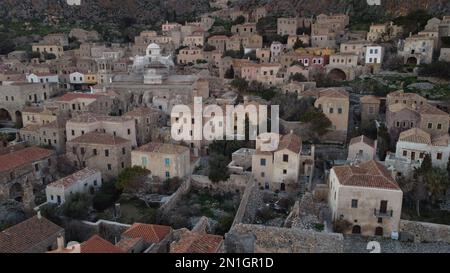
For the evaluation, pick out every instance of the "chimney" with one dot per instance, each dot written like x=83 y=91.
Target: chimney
x=60 y=242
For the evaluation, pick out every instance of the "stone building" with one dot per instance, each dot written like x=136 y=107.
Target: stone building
x=48 y=48
x=417 y=50
x=163 y=160
x=34 y=235
x=147 y=121
x=335 y=104
x=107 y=153
x=51 y=134
x=411 y=148
x=73 y=104
x=219 y=42
x=146 y=238
x=280 y=170
x=289 y=26
x=121 y=126
x=361 y=148
x=367 y=197
x=24 y=172
x=84 y=181
x=383 y=32
x=409 y=110
x=370 y=110
x=190 y=55
x=14 y=98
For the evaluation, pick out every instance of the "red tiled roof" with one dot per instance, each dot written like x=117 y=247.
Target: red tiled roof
x=72 y=96
x=19 y=158
x=369 y=174
x=363 y=139
x=97 y=244
x=27 y=234
x=150 y=233
x=291 y=142
x=191 y=242
x=99 y=138
x=165 y=148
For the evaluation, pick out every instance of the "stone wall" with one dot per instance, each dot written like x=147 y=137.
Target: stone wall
x=263 y=239
x=175 y=197
x=234 y=183
x=108 y=230
x=425 y=232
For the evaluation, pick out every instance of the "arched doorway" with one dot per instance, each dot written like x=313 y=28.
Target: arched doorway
x=412 y=61
x=16 y=192
x=379 y=231
x=356 y=229
x=337 y=75
x=4 y=115
x=283 y=187
x=19 y=122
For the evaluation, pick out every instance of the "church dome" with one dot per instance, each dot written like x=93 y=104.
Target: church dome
x=153 y=46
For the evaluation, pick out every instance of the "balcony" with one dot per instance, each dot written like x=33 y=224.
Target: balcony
x=383 y=214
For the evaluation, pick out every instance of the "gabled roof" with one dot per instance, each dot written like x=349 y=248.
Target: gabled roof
x=19 y=158
x=99 y=138
x=97 y=244
x=163 y=148
x=192 y=242
x=369 y=174
x=362 y=139
x=415 y=135
x=27 y=234
x=291 y=142
x=150 y=233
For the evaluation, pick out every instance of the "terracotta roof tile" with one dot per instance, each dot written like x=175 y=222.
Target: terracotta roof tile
x=165 y=148
x=363 y=139
x=99 y=138
x=29 y=233
x=150 y=233
x=67 y=181
x=97 y=244
x=191 y=242
x=369 y=174
x=19 y=158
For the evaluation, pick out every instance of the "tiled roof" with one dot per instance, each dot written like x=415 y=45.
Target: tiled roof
x=291 y=142
x=73 y=178
x=334 y=92
x=150 y=233
x=97 y=244
x=369 y=174
x=73 y=96
x=29 y=233
x=141 y=111
x=428 y=109
x=369 y=99
x=99 y=138
x=125 y=244
x=363 y=139
x=415 y=135
x=191 y=242
x=31 y=128
x=32 y=109
x=164 y=148
x=19 y=158
x=91 y=117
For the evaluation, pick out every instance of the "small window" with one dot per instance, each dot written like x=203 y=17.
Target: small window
x=285 y=158
x=284 y=171
x=109 y=167
x=405 y=153
x=430 y=125
x=263 y=162
x=106 y=153
x=354 y=203
x=439 y=156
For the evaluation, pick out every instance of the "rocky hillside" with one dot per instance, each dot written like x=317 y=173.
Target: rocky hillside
x=392 y=7
x=144 y=11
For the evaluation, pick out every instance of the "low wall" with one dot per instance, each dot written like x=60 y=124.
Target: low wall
x=235 y=182
x=282 y=240
x=426 y=232
x=175 y=197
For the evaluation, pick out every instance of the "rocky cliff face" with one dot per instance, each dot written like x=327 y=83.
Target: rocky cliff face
x=148 y=11
x=392 y=7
